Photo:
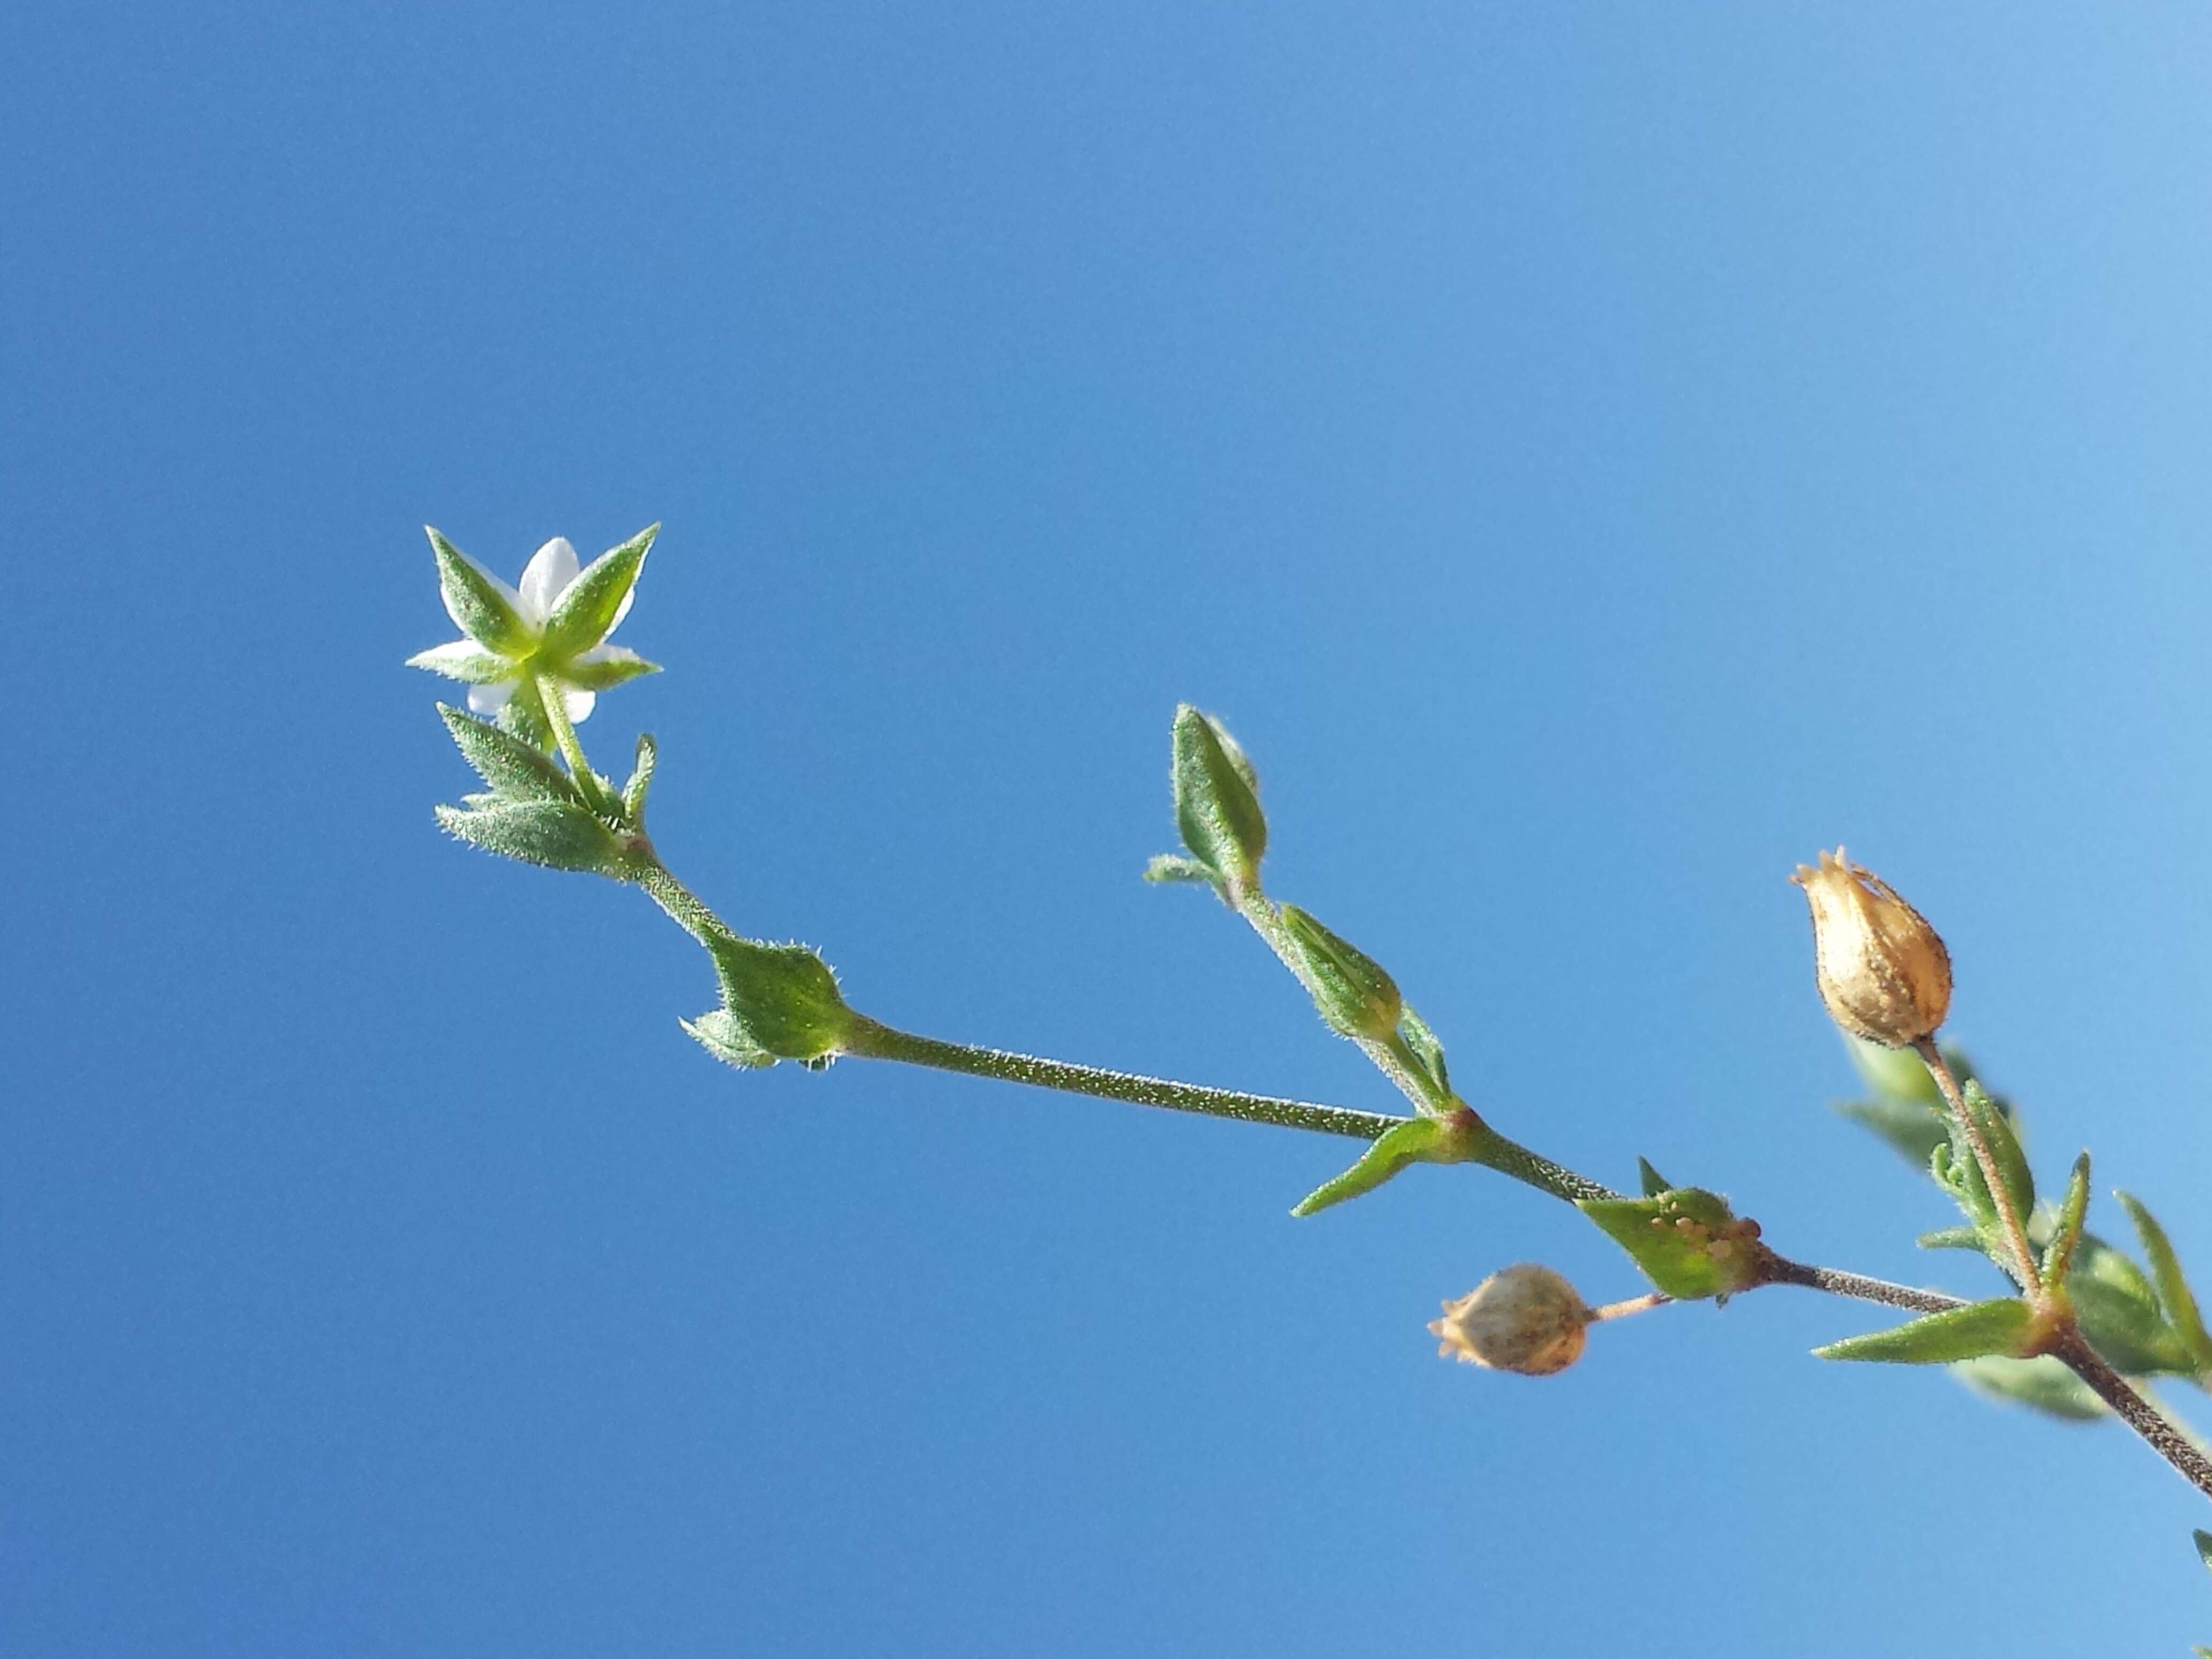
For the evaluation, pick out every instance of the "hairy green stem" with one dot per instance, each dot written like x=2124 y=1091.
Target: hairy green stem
x=871 y=1040
x=564 y=737
x=2137 y=1413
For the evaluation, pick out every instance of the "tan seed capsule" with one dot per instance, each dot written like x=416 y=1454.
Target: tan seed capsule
x=1883 y=971
x=1524 y=1318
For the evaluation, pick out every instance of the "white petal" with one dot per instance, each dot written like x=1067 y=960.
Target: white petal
x=578 y=703
x=551 y=569
x=489 y=699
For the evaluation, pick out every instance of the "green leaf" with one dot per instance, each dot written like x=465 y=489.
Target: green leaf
x=1217 y=808
x=2119 y=1312
x=1654 y=1183
x=557 y=834
x=785 y=997
x=523 y=715
x=2203 y=1552
x=1915 y=1128
x=513 y=769
x=1951 y=1238
x=1173 y=866
x=723 y=1035
x=1428 y=1053
x=1356 y=998
x=1417 y=1140
x=466 y=661
x=640 y=779
x=1687 y=1240
x=481 y=606
x=1986 y=1328
x=2066 y=1232
x=2043 y=1384
x=591 y=605
x=605 y=666
x=2004 y=1147
x=1894 y=1074
x=2174 y=1297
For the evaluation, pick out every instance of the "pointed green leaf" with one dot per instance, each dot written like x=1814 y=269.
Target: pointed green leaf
x=557 y=834
x=2174 y=1297
x=784 y=996
x=2004 y=1147
x=1950 y=1238
x=723 y=1035
x=2066 y=1232
x=523 y=715
x=514 y=769
x=591 y=605
x=2043 y=1384
x=1356 y=998
x=1217 y=808
x=465 y=660
x=1986 y=1328
x=483 y=607
x=1654 y=1183
x=640 y=779
x=1687 y=1240
x=1417 y=1140
x=2203 y=1552
x=605 y=666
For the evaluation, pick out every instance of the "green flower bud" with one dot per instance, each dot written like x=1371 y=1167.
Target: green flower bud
x=1354 y=995
x=784 y=999
x=1216 y=800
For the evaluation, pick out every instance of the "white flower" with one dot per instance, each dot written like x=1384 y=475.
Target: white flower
x=552 y=626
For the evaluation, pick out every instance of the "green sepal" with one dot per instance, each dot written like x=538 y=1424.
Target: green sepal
x=2042 y=1384
x=481 y=604
x=784 y=996
x=514 y=769
x=1987 y=1328
x=592 y=605
x=641 y=780
x=608 y=667
x=1356 y=997
x=1173 y=866
x=2175 y=1299
x=466 y=661
x=1417 y=1140
x=1687 y=1240
x=1951 y=1238
x=1427 y=1052
x=2119 y=1312
x=557 y=834
x=1215 y=801
x=1654 y=1183
x=723 y=1035
x=2066 y=1230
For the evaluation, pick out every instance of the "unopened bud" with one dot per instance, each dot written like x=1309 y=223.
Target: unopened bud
x=1524 y=1318
x=1883 y=971
x=1353 y=993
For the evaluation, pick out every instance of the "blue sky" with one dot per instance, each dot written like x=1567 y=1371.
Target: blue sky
x=1592 y=455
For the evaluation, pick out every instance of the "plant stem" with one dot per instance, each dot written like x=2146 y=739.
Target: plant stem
x=2001 y=1195
x=1780 y=1270
x=872 y=1040
x=685 y=908
x=2137 y=1413
x=564 y=736
x=1508 y=1158
x=1634 y=1304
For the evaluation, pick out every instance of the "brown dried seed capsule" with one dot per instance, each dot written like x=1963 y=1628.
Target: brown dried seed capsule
x=1883 y=971
x=1524 y=1318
